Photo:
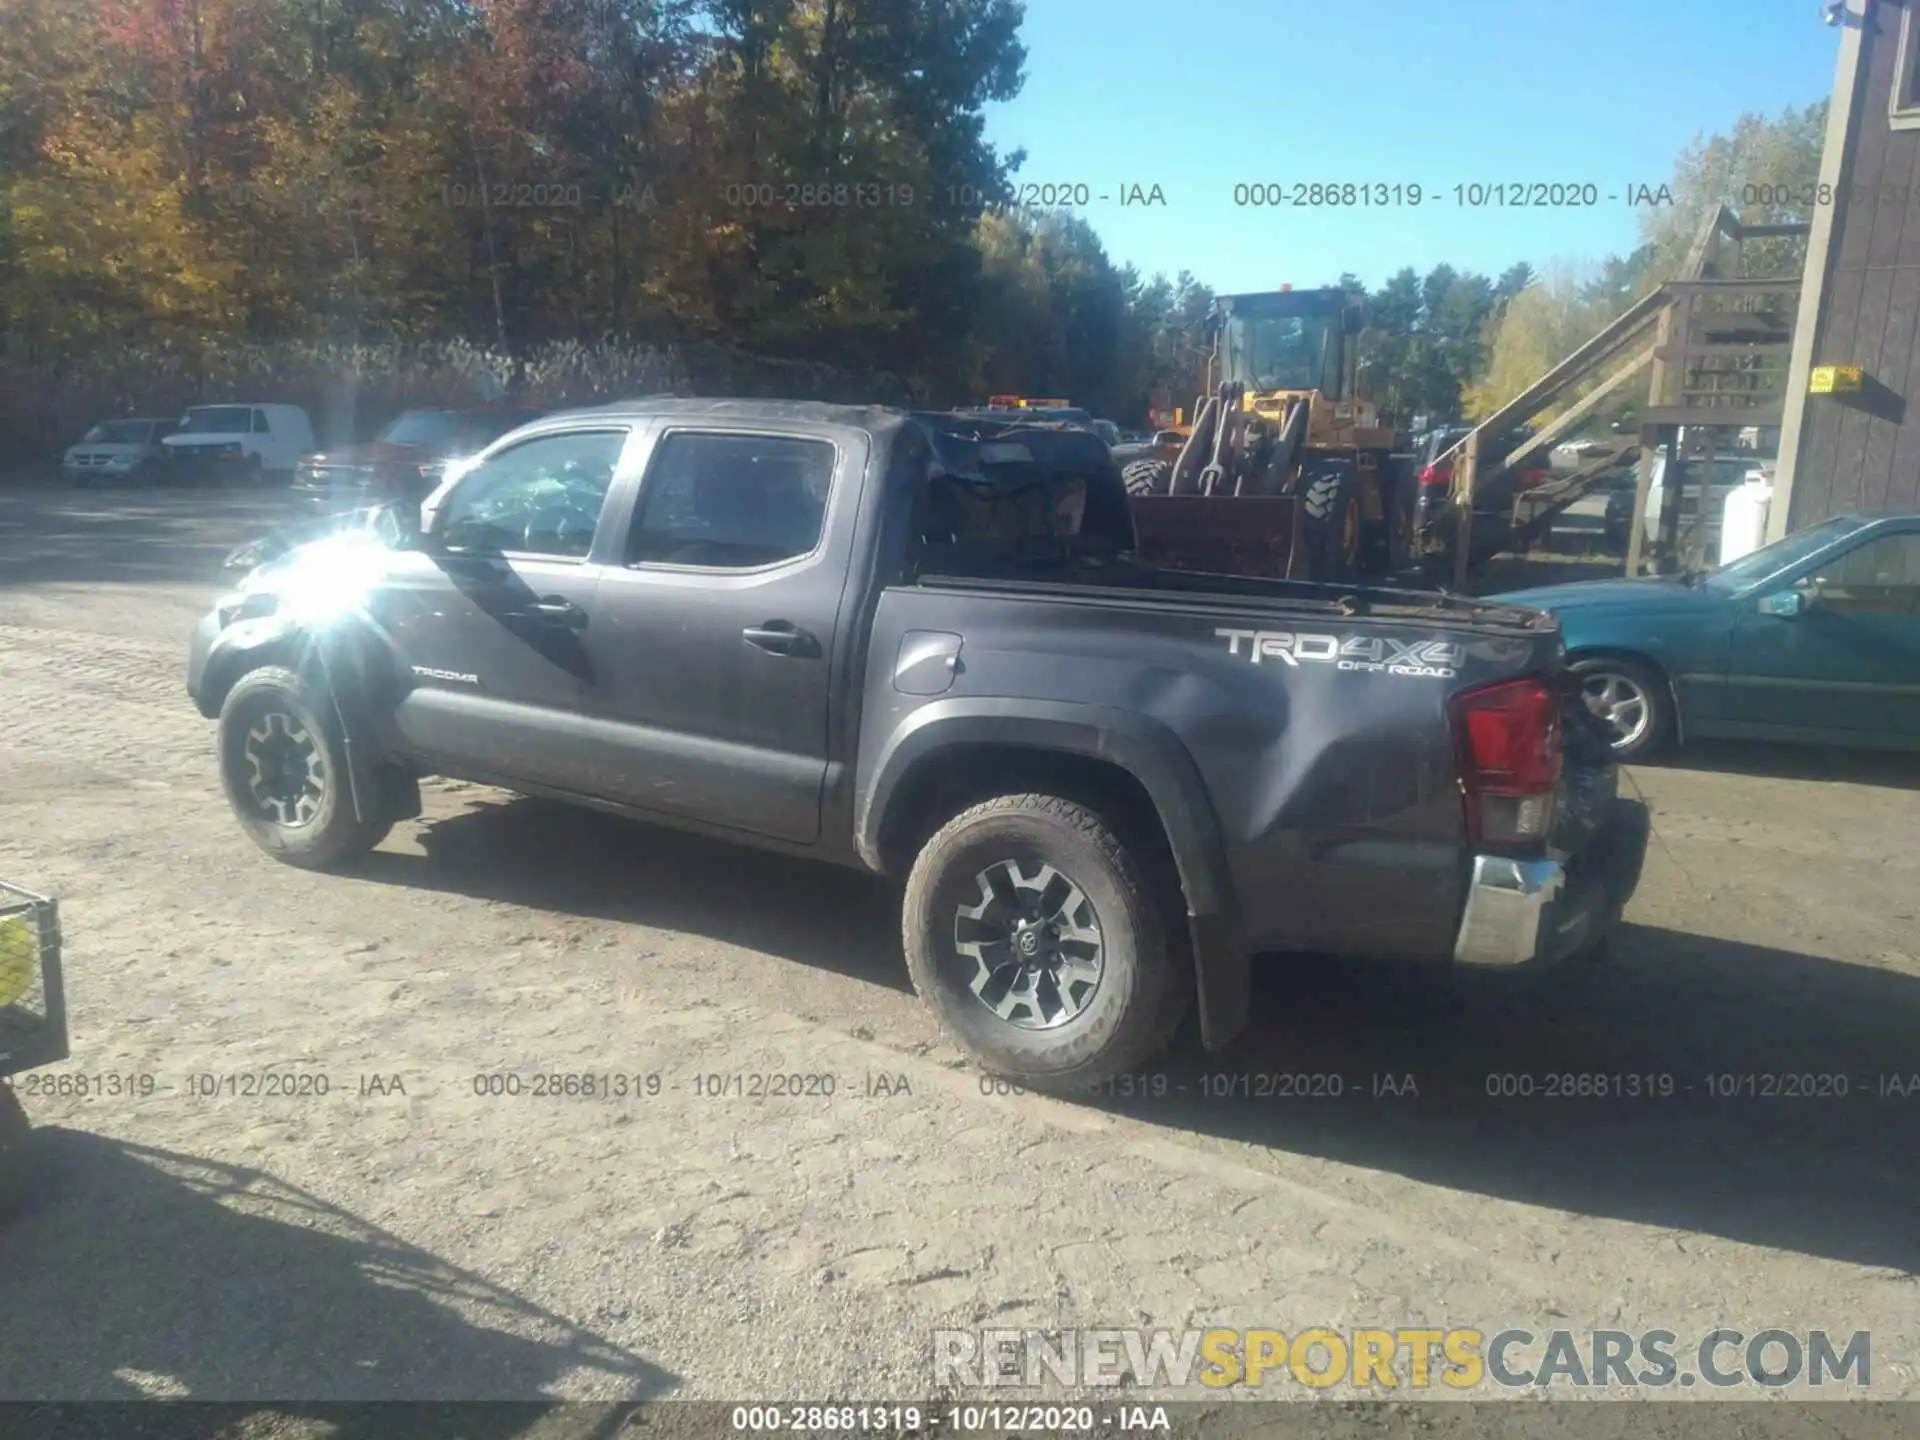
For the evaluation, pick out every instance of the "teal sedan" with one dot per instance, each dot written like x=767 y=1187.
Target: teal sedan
x=1813 y=638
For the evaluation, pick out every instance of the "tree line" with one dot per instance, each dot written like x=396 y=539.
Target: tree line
x=804 y=182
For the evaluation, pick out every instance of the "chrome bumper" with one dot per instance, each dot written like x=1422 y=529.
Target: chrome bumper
x=1507 y=905
x=1540 y=912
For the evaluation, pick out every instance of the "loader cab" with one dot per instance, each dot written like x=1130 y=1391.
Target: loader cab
x=1285 y=341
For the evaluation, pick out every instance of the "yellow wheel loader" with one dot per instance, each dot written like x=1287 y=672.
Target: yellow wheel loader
x=1286 y=472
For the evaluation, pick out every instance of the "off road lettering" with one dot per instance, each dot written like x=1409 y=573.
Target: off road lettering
x=1371 y=654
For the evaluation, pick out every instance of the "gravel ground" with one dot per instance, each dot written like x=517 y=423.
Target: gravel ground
x=404 y=1236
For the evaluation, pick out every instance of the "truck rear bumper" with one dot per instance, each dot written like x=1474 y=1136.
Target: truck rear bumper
x=1538 y=912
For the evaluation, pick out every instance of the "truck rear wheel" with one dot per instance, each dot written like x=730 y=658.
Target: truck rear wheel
x=283 y=762
x=16 y=1140
x=1043 y=942
x=1147 y=477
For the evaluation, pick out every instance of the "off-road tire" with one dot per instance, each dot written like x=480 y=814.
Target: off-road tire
x=1326 y=498
x=1147 y=477
x=1146 y=982
x=334 y=834
x=16 y=1152
x=1658 y=731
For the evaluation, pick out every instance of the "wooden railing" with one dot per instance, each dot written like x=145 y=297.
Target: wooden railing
x=1716 y=350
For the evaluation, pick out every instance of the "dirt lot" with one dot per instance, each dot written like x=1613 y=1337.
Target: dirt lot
x=406 y=1236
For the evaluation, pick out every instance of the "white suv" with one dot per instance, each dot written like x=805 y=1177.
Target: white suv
x=244 y=442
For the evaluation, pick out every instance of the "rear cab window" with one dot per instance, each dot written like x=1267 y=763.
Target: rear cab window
x=1006 y=495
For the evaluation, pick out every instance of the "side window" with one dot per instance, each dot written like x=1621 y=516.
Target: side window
x=542 y=497
x=1881 y=577
x=731 y=501
x=260 y=426
x=1903 y=101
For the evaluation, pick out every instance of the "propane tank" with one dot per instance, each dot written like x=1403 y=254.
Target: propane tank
x=1743 y=521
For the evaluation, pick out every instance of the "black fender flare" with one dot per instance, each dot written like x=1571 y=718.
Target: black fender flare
x=1141 y=746
x=352 y=669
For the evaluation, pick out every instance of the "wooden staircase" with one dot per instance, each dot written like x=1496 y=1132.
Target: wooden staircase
x=1714 y=347
x=1534 y=510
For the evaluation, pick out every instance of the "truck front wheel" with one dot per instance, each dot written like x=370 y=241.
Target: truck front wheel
x=283 y=762
x=1044 y=944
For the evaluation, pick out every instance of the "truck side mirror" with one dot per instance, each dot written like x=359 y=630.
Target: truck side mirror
x=1784 y=603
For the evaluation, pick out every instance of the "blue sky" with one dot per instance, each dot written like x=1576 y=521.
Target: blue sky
x=1203 y=95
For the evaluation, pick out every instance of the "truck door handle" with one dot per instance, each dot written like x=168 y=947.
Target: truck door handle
x=559 y=611
x=779 y=637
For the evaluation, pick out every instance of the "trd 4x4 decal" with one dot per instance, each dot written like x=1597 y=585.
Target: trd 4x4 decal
x=1370 y=654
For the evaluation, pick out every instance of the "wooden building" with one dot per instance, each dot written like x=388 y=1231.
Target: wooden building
x=1855 y=445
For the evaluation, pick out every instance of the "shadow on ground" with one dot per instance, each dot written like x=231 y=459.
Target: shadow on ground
x=1893 y=769
x=582 y=862
x=62 y=535
x=134 y=1268
x=1701 y=1046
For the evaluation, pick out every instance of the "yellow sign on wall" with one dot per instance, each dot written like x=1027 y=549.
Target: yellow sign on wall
x=1835 y=380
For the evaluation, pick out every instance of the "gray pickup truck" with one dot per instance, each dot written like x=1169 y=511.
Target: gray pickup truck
x=923 y=645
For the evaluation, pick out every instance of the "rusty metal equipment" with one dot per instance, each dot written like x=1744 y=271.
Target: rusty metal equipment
x=33 y=1016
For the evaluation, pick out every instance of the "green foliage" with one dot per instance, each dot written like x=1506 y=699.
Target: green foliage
x=1751 y=171
x=598 y=182
x=1760 y=164
x=1422 y=346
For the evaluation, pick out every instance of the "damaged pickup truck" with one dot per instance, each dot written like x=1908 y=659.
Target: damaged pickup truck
x=924 y=645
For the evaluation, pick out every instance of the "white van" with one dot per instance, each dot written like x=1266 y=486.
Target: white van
x=242 y=442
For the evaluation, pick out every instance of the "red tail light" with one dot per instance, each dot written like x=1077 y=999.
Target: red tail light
x=1509 y=743
x=1437 y=475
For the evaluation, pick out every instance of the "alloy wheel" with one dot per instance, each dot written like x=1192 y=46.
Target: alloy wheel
x=1620 y=704
x=286 y=773
x=1035 y=942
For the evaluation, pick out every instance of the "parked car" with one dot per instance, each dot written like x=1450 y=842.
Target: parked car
x=117 y=450
x=1162 y=445
x=921 y=645
x=1106 y=430
x=405 y=461
x=1494 y=491
x=1617 y=523
x=238 y=443
x=1813 y=638
x=1571 y=452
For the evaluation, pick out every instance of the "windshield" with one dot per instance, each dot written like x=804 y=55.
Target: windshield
x=1771 y=559
x=217 y=420
x=119 y=432
x=1283 y=352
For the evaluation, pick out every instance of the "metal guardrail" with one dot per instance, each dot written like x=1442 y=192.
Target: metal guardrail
x=33 y=1008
